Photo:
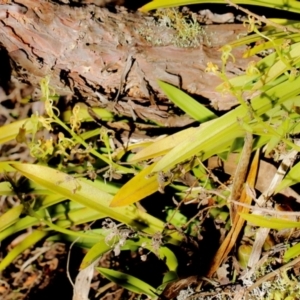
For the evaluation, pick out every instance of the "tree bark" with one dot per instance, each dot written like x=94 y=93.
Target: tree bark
x=99 y=55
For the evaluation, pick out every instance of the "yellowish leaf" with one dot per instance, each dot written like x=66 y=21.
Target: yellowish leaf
x=9 y=132
x=162 y=146
x=86 y=193
x=10 y=217
x=293 y=6
x=139 y=187
x=270 y=222
x=30 y=240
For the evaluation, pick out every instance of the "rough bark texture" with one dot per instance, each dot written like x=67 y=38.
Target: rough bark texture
x=96 y=54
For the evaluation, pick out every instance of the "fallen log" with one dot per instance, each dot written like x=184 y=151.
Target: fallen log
x=100 y=55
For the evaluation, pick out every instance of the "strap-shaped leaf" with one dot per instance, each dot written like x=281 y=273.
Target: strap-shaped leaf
x=86 y=193
x=291 y=178
x=292 y=252
x=291 y=5
x=129 y=282
x=162 y=146
x=270 y=222
x=102 y=247
x=10 y=217
x=30 y=240
x=221 y=132
x=189 y=105
x=139 y=187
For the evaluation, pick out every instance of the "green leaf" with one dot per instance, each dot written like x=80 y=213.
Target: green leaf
x=169 y=277
x=81 y=242
x=96 y=251
x=162 y=146
x=86 y=193
x=219 y=134
x=270 y=222
x=10 y=217
x=102 y=247
x=129 y=282
x=291 y=178
x=215 y=137
x=21 y=224
x=291 y=5
x=189 y=105
x=6 y=167
x=30 y=240
x=210 y=138
x=273 y=142
x=10 y=131
x=170 y=258
x=139 y=187
x=292 y=252
x=164 y=253
x=11 y=223
x=75 y=216
x=277 y=66
x=6 y=188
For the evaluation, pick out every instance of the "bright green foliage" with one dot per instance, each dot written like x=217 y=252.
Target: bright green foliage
x=272 y=115
x=30 y=240
x=275 y=223
x=196 y=110
x=81 y=191
x=270 y=222
x=290 y=179
x=62 y=197
x=10 y=217
x=291 y=5
x=129 y=282
x=101 y=247
x=292 y=252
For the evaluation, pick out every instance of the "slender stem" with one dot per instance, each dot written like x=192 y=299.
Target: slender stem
x=93 y=151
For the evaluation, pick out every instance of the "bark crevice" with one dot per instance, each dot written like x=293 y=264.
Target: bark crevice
x=86 y=49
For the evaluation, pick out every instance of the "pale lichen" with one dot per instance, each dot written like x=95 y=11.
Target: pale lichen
x=172 y=26
x=281 y=286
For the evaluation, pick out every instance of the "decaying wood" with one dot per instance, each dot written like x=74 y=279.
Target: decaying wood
x=86 y=52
